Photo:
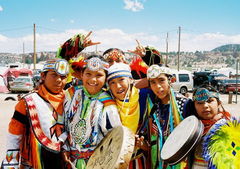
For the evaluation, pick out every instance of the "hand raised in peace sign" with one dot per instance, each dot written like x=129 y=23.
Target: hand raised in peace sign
x=140 y=50
x=88 y=42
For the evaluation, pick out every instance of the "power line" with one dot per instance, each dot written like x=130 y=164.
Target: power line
x=163 y=32
x=29 y=27
x=50 y=29
x=158 y=33
x=15 y=29
x=203 y=32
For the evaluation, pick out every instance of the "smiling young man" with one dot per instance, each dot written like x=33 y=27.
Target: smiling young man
x=36 y=128
x=90 y=111
x=132 y=104
x=167 y=112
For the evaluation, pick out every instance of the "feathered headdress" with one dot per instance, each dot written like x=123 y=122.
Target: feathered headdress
x=114 y=54
x=77 y=63
x=137 y=64
x=221 y=146
x=71 y=47
x=152 y=56
x=69 y=51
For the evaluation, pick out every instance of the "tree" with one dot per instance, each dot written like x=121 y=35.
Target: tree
x=236 y=55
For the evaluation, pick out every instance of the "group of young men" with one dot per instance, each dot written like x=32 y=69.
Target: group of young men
x=53 y=128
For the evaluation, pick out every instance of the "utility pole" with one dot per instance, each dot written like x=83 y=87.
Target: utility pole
x=179 y=33
x=237 y=79
x=23 y=56
x=34 y=47
x=166 y=50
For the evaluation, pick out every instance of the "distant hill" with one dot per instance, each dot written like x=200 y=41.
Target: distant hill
x=228 y=48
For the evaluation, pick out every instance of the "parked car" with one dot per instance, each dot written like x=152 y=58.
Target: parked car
x=36 y=79
x=216 y=80
x=22 y=84
x=228 y=85
x=201 y=79
x=184 y=81
x=3 y=86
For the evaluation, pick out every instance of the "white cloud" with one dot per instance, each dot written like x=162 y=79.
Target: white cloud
x=118 y=38
x=133 y=5
x=52 y=20
x=207 y=41
x=3 y=38
x=1 y=8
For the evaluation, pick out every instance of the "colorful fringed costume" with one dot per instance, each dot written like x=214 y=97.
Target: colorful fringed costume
x=198 y=158
x=203 y=96
x=88 y=119
x=133 y=109
x=222 y=145
x=133 y=115
x=34 y=132
x=167 y=112
x=162 y=120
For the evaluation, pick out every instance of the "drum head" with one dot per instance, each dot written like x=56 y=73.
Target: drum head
x=114 y=151
x=182 y=140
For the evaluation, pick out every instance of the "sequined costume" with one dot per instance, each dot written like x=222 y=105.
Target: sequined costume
x=88 y=119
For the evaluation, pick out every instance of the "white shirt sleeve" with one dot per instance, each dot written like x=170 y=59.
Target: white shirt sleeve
x=110 y=118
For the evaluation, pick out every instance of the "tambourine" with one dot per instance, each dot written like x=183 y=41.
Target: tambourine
x=182 y=140
x=114 y=151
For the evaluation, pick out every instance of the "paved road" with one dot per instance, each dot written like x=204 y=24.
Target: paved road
x=7 y=108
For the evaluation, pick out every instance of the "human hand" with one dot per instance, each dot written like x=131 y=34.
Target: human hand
x=141 y=143
x=88 y=42
x=66 y=157
x=140 y=50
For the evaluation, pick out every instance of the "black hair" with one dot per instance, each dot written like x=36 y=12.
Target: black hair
x=41 y=81
x=95 y=56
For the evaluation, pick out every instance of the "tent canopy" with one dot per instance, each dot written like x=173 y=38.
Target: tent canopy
x=17 y=72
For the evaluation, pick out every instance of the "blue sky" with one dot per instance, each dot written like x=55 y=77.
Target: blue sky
x=205 y=24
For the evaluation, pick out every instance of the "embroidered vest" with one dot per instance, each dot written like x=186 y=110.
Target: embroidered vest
x=44 y=125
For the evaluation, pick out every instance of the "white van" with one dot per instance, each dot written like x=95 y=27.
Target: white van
x=184 y=81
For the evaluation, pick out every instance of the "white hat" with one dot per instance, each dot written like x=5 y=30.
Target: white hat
x=155 y=70
x=60 y=66
x=118 y=70
x=95 y=63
